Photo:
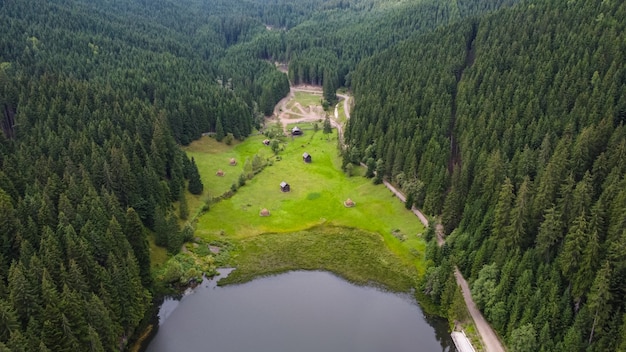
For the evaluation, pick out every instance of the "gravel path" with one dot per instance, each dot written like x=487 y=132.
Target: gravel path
x=490 y=340
x=346 y=105
x=401 y=196
x=283 y=113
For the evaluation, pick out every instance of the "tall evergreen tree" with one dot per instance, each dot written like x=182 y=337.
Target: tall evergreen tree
x=219 y=130
x=195 y=184
x=329 y=87
x=137 y=239
x=328 y=128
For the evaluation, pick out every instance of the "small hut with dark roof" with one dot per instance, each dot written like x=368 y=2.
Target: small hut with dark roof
x=284 y=186
x=306 y=157
x=296 y=131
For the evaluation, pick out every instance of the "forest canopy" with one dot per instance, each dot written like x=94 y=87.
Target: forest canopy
x=508 y=123
x=520 y=146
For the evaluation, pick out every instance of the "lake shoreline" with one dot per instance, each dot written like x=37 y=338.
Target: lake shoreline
x=301 y=307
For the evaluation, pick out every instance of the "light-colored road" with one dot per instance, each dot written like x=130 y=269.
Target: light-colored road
x=401 y=196
x=346 y=105
x=490 y=340
x=281 y=111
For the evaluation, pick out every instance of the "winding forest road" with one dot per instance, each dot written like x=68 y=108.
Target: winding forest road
x=490 y=340
x=302 y=115
x=401 y=196
x=346 y=105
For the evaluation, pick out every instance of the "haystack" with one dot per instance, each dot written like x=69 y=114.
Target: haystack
x=220 y=172
x=233 y=162
x=264 y=212
x=349 y=203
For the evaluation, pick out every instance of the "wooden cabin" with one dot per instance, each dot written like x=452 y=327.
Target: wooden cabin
x=306 y=157
x=284 y=186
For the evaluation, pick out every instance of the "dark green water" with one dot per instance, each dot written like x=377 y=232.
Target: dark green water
x=300 y=311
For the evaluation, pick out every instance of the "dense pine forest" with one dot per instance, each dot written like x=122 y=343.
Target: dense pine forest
x=514 y=123
x=95 y=99
x=504 y=118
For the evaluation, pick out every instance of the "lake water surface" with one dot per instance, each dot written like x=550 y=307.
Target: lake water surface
x=301 y=311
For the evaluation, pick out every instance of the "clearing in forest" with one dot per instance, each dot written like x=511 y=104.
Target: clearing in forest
x=303 y=104
x=313 y=209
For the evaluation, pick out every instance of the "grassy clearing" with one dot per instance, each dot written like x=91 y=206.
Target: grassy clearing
x=309 y=227
x=341 y=112
x=318 y=191
x=356 y=255
x=211 y=156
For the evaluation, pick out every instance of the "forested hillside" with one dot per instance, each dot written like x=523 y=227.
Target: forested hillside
x=163 y=53
x=520 y=145
x=95 y=98
x=330 y=44
x=511 y=126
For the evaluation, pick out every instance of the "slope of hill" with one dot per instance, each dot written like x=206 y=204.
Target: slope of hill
x=94 y=96
x=520 y=146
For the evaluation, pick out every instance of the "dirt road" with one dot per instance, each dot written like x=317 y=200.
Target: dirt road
x=488 y=336
x=490 y=340
x=346 y=105
x=314 y=113
x=401 y=196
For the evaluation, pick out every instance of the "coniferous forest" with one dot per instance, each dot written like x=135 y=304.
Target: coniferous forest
x=515 y=126
x=503 y=119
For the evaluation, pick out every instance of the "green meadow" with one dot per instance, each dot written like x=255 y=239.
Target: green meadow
x=360 y=257
x=341 y=113
x=309 y=227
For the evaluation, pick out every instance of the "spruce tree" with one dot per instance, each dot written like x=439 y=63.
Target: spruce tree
x=219 y=130
x=195 y=184
x=183 y=207
x=330 y=87
x=371 y=168
x=380 y=170
x=328 y=128
x=139 y=243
